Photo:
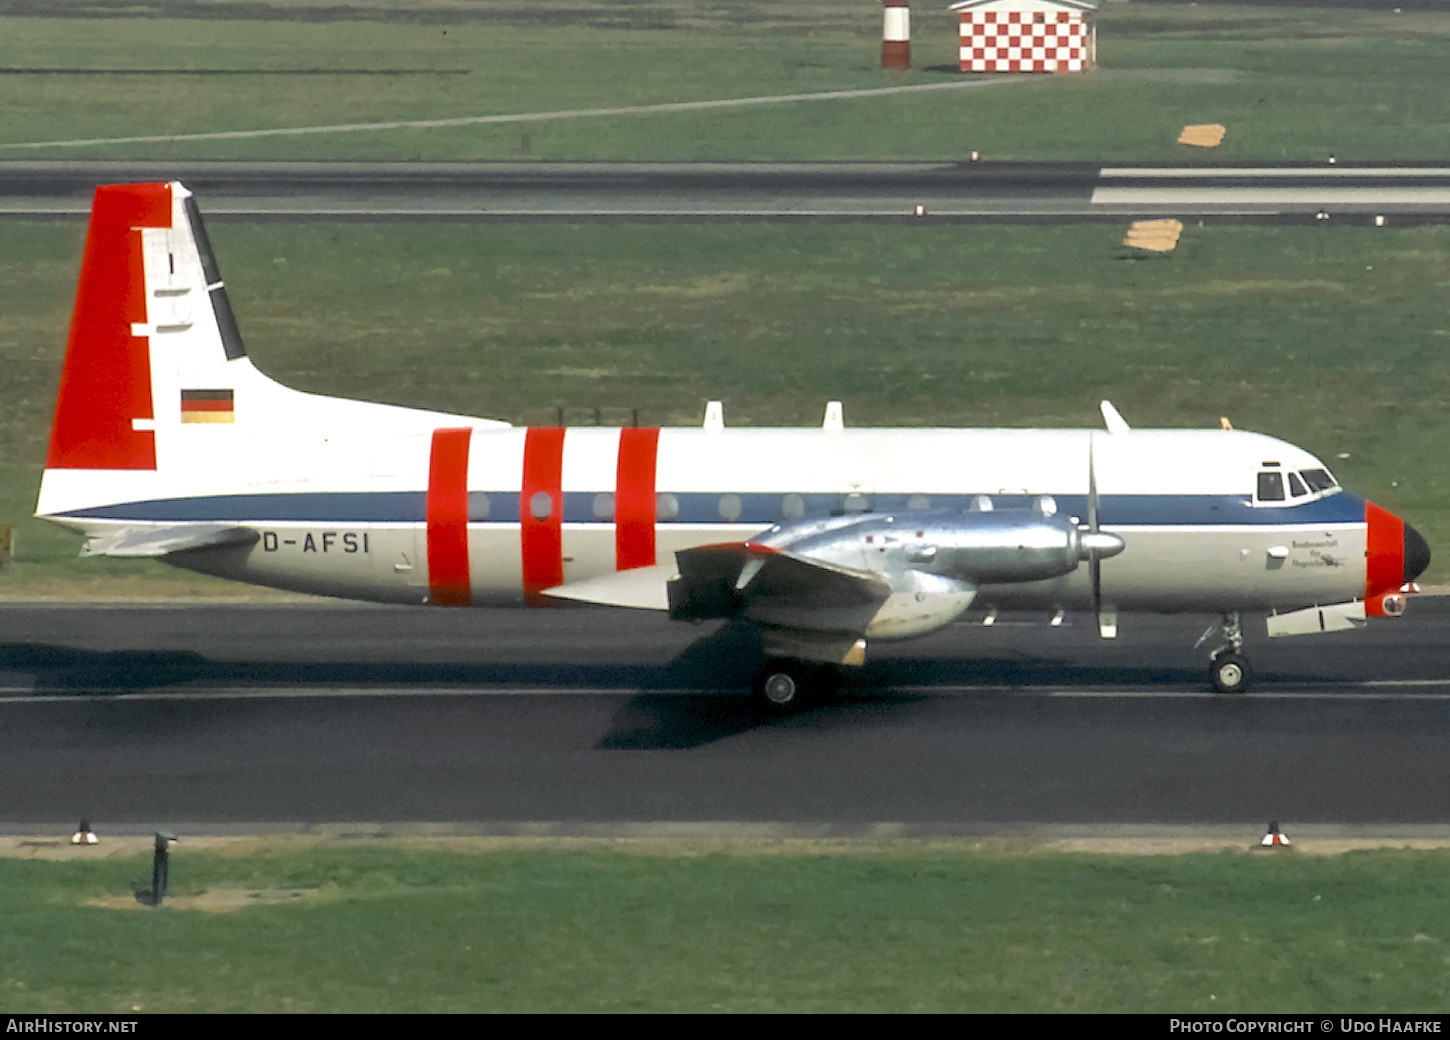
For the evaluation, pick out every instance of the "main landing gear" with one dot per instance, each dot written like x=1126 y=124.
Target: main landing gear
x=1228 y=669
x=783 y=687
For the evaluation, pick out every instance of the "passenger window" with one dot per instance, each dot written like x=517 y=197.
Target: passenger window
x=1271 y=486
x=1296 y=486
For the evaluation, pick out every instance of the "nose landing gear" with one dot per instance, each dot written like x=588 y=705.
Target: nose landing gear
x=1228 y=669
x=1228 y=672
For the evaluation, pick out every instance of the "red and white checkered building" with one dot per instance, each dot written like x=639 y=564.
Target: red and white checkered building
x=1027 y=35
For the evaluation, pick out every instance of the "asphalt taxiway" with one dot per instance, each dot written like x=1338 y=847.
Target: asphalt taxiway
x=958 y=191
x=339 y=713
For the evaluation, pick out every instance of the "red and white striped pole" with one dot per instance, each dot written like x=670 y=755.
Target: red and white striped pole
x=896 y=35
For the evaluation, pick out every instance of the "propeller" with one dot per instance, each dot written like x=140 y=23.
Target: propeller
x=1099 y=546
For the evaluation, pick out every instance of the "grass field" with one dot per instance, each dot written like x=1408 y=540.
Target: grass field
x=300 y=926
x=1333 y=338
x=1288 y=83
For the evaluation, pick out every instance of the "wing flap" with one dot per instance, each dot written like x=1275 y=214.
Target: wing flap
x=643 y=588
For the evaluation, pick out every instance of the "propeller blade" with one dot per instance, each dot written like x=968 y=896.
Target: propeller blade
x=1098 y=546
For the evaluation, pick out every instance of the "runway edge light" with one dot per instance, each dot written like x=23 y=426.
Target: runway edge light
x=1274 y=838
x=84 y=835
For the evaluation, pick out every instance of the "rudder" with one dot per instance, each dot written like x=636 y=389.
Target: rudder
x=105 y=384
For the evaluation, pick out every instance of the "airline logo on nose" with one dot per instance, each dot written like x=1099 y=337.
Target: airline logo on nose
x=207 y=406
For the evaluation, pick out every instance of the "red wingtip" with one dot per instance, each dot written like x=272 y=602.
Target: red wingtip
x=106 y=381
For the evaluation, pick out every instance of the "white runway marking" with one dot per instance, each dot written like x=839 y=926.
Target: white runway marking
x=1270 y=173
x=1286 y=196
x=1270 y=187
x=1374 y=690
x=576 y=113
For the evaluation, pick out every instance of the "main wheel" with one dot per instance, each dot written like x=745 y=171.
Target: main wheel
x=783 y=687
x=1229 y=673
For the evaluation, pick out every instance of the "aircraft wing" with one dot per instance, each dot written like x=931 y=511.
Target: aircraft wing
x=724 y=580
x=809 y=608
x=150 y=540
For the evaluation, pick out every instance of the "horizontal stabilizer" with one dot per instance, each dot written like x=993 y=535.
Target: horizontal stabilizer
x=131 y=540
x=642 y=588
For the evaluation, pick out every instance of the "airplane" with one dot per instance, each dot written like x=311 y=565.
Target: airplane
x=169 y=443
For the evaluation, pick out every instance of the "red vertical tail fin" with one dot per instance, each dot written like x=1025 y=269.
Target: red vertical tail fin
x=105 y=385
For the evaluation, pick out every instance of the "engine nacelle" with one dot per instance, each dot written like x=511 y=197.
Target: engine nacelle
x=1001 y=547
x=978 y=548
x=888 y=577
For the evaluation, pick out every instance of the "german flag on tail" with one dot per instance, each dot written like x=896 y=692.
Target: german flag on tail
x=207 y=406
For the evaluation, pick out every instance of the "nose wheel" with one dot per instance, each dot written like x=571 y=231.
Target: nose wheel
x=1228 y=669
x=1229 y=672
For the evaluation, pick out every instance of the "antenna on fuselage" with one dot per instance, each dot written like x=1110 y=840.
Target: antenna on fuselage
x=714 y=417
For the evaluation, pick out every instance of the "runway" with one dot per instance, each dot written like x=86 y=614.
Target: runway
x=226 y=714
x=962 y=191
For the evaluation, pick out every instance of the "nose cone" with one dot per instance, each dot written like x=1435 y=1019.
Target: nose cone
x=1394 y=552
x=1417 y=553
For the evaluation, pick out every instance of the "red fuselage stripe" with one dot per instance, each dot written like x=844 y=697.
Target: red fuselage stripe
x=106 y=380
x=542 y=537
x=447 y=514
x=634 y=498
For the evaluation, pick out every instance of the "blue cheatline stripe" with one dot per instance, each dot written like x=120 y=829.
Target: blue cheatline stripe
x=324 y=507
x=582 y=507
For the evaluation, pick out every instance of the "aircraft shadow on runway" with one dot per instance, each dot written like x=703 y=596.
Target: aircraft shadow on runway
x=658 y=717
x=662 y=722
x=52 y=670
x=731 y=656
x=724 y=661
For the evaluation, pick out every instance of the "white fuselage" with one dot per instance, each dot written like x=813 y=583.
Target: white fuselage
x=349 y=516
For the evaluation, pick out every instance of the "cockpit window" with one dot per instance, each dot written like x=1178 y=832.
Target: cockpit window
x=1296 y=486
x=1271 y=486
x=1318 y=479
